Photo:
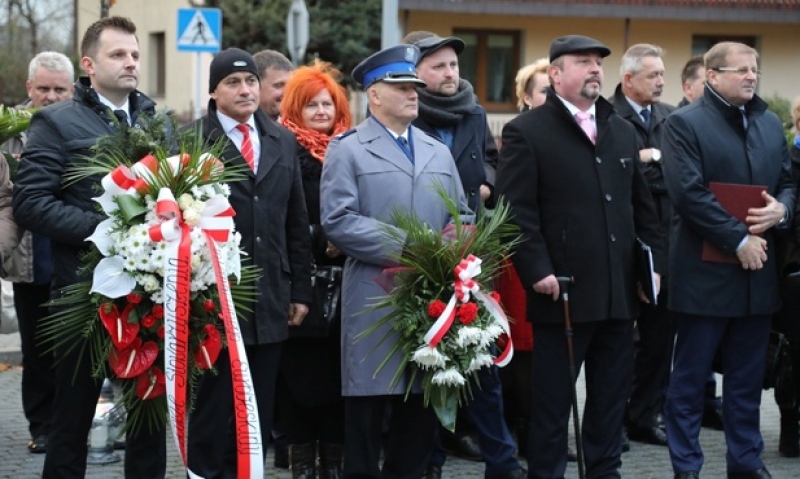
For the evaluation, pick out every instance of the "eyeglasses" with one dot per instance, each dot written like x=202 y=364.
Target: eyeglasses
x=739 y=71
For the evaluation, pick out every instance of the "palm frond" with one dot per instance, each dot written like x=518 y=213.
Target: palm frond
x=13 y=122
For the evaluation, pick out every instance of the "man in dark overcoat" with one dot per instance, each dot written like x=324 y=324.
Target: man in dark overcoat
x=638 y=100
x=271 y=217
x=61 y=137
x=580 y=201
x=448 y=111
x=728 y=136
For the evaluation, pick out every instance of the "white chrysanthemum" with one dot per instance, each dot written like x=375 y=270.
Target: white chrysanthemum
x=468 y=335
x=427 y=358
x=448 y=377
x=492 y=332
x=481 y=360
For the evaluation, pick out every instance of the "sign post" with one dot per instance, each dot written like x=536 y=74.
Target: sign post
x=199 y=30
x=297 y=31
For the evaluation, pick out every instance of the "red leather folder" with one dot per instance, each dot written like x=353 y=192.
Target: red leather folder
x=736 y=199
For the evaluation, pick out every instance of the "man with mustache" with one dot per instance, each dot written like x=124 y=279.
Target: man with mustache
x=271 y=217
x=568 y=171
x=724 y=304
x=61 y=137
x=638 y=100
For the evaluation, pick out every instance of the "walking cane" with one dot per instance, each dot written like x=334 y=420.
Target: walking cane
x=563 y=285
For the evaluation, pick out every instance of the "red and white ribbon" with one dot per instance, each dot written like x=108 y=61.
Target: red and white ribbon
x=464 y=286
x=217 y=224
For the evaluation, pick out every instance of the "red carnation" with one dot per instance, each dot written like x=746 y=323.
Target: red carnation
x=495 y=295
x=134 y=297
x=209 y=305
x=158 y=311
x=436 y=308
x=160 y=331
x=148 y=321
x=467 y=313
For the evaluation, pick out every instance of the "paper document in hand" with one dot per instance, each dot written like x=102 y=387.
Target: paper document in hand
x=736 y=199
x=645 y=273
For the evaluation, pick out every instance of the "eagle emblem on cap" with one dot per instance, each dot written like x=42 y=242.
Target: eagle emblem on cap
x=410 y=55
x=239 y=63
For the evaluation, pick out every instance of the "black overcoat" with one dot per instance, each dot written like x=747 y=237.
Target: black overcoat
x=706 y=141
x=580 y=207
x=272 y=219
x=470 y=137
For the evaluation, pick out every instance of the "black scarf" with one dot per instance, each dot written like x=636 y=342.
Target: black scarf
x=446 y=111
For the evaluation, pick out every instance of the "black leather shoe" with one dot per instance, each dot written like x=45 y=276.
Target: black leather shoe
x=432 y=472
x=464 y=447
x=516 y=474
x=688 y=475
x=762 y=473
x=38 y=445
x=712 y=418
x=654 y=435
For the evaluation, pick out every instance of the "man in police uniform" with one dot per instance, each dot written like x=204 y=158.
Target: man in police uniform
x=382 y=165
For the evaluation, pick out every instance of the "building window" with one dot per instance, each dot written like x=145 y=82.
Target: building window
x=490 y=62
x=157 y=84
x=702 y=43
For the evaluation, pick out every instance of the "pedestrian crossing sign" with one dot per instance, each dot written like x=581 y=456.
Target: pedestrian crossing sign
x=199 y=29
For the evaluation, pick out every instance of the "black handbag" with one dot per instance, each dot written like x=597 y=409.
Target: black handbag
x=325 y=311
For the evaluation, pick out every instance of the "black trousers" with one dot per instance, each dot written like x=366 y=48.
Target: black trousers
x=652 y=361
x=410 y=439
x=605 y=348
x=73 y=409
x=212 y=440
x=38 y=383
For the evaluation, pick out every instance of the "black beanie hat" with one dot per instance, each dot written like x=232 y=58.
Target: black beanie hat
x=229 y=61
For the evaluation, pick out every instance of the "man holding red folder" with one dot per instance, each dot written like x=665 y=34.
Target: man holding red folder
x=720 y=147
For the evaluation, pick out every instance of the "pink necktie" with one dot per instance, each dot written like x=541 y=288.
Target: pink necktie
x=247 y=146
x=584 y=119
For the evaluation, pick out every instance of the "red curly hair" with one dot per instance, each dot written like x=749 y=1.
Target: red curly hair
x=305 y=84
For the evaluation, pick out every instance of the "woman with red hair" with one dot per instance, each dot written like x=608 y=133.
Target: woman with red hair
x=310 y=404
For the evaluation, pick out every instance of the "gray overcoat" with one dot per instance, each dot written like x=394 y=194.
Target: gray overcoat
x=365 y=177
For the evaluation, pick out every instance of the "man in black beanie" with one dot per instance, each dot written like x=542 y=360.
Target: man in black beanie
x=271 y=217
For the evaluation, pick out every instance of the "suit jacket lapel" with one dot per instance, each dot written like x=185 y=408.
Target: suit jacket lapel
x=380 y=143
x=423 y=151
x=270 y=149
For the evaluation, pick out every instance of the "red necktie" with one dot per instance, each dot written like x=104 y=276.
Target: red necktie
x=247 y=145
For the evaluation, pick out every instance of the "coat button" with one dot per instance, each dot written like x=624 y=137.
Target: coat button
x=474 y=155
x=598 y=160
x=258 y=239
x=472 y=192
x=255 y=198
x=608 y=197
x=613 y=238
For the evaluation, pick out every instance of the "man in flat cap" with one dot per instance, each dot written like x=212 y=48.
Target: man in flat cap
x=271 y=217
x=382 y=165
x=449 y=111
x=568 y=171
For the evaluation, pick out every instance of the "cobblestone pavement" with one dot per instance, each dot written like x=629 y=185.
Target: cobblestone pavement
x=642 y=462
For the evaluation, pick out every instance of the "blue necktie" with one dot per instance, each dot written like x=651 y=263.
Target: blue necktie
x=646 y=117
x=744 y=116
x=403 y=143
